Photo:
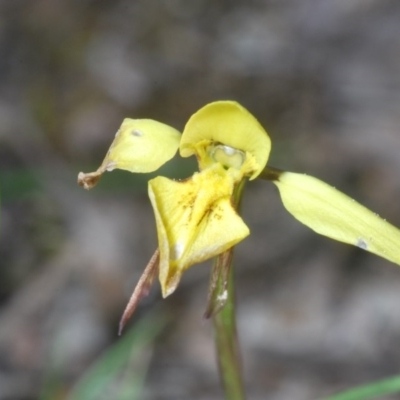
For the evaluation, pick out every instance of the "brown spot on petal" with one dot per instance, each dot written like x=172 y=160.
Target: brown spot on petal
x=136 y=132
x=362 y=243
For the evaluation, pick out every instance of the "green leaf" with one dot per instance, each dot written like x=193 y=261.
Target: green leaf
x=331 y=213
x=370 y=391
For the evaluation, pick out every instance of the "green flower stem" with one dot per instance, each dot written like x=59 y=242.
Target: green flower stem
x=229 y=359
x=226 y=339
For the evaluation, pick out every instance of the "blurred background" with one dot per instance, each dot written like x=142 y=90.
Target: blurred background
x=314 y=316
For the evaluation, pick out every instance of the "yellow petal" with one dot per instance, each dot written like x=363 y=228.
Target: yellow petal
x=229 y=124
x=140 y=145
x=331 y=213
x=195 y=221
x=143 y=145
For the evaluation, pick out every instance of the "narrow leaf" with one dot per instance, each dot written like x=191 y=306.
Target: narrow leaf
x=373 y=390
x=331 y=213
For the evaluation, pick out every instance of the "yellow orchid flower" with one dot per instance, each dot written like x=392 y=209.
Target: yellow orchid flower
x=196 y=219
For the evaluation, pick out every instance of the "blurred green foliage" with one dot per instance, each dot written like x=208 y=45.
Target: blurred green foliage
x=117 y=374
x=373 y=390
